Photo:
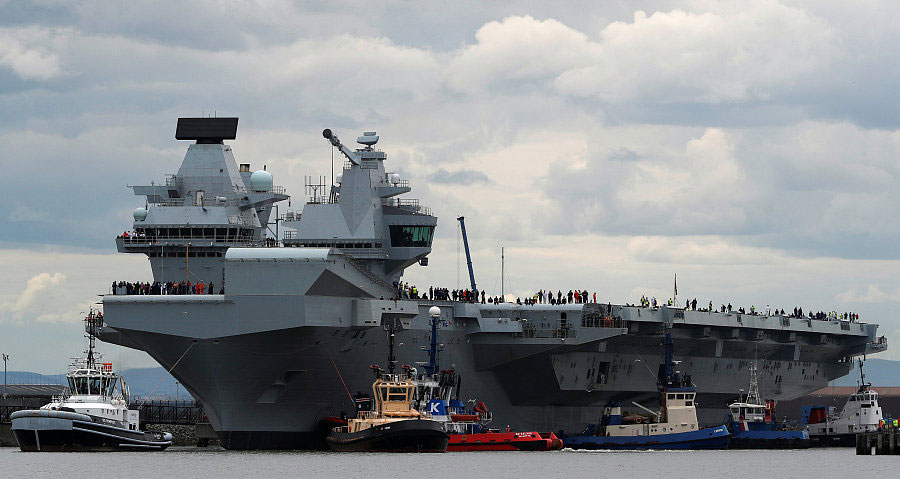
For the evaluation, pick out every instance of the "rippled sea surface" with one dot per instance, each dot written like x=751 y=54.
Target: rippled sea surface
x=842 y=463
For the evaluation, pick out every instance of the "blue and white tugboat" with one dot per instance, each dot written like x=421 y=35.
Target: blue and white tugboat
x=675 y=427
x=91 y=415
x=753 y=425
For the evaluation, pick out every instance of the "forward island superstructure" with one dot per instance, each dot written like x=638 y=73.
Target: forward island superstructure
x=275 y=346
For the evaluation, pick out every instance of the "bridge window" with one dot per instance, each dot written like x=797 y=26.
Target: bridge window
x=80 y=385
x=411 y=236
x=95 y=386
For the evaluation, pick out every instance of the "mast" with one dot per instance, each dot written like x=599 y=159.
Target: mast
x=433 y=365
x=753 y=392
x=502 y=272
x=665 y=376
x=862 y=376
x=91 y=327
x=392 y=361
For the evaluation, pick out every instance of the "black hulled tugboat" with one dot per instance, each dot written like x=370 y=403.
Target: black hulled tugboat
x=91 y=415
x=394 y=425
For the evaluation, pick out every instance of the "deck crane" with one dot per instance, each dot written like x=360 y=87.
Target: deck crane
x=351 y=155
x=462 y=225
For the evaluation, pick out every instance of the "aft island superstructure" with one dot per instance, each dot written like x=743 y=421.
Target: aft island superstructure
x=276 y=345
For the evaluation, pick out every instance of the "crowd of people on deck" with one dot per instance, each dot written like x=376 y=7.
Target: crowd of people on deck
x=409 y=291
x=133 y=234
x=691 y=305
x=158 y=288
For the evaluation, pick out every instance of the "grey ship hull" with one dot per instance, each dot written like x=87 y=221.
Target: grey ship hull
x=268 y=368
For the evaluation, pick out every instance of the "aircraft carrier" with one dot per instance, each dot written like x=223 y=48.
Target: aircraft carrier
x=284 y=336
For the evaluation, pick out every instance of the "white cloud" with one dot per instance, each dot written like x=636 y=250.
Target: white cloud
x=701 y=186
x=519 y=48
x=710 y=57
x=36 y=300
x=45 y=295
x=872 y=294
x=32 y=52
x=718 y=56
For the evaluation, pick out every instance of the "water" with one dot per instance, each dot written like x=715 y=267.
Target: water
x=838 y=463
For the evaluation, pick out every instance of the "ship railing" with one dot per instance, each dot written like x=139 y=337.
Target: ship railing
x=168 y=202
x=172 y=180
x=365 y=253
x=366 y=272
x=318 y=200
x=557 y=333
x=289 y=235
x=184 y=412
x=291 y=216
x=408 y=204
x=598 y=320
x=238 y=220
x=160 y=240
x=366 y=414
x=365 y=164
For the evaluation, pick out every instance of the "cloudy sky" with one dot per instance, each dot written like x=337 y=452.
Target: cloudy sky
x=753 y=148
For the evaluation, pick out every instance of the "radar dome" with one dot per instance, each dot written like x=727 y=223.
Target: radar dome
x=261 y=180
x=140 y=214
x=434 y=311
x=395 y=178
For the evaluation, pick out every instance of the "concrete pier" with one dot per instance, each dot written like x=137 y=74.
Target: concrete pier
x=878 y=443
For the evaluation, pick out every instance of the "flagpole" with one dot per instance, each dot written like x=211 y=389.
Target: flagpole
x=675 y=298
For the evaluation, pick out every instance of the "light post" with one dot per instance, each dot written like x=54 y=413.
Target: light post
x=5 y=359
x=176 y=393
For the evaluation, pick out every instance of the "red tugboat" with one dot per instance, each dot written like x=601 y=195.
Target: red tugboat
x=505 y=441
x=468 y=426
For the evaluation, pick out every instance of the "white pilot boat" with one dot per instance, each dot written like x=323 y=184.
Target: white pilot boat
x=91 y=415
x=861 y=413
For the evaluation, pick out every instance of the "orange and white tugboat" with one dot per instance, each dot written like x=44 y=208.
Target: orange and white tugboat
x=393 y=425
